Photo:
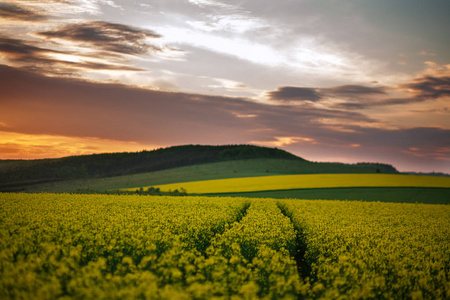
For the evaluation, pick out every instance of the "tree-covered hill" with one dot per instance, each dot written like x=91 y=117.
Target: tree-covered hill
x=15 y=174
x=19 y=172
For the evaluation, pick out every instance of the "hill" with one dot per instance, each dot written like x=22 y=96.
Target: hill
x=16 y=175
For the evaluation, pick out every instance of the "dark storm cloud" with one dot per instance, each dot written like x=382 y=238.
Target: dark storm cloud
x=39 y=59
x=15 y=12
x=430 y=87
x=289 y=93
x=107 y=36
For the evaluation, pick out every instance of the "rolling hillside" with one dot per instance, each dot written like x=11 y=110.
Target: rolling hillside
x=99 y=172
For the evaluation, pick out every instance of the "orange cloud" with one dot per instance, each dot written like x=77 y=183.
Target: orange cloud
x=438 y=153
x=281 y=141
x=27 y=146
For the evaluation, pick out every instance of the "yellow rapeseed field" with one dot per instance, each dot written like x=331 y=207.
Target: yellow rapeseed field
x=62 y=246
x=288 y=182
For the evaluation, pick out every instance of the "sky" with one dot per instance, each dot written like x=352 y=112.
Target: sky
x=342 y=81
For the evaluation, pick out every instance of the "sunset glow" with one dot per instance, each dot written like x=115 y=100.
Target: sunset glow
x=23 y=146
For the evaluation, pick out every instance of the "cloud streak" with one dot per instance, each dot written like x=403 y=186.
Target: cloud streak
x=354 y=91
x=16 y=12
x=42 y=60
x=107 y=36
x=430 y=87
x=353 y=97
x=90 y=49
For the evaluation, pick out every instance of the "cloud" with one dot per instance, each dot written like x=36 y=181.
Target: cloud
x=438 y=153
x=213 y=3
x=113 y=37
x=45 y=60
x=229 y=18
x=71 y=7
x=284 y=141
x=118 y=112
x=92 y=49
x=378 y=102
x=64 y=106
x=231 y=45
x=352 y=97
x=352 y=94
x=289 y=93
x=231 y=23
x=354 y=91
x=15 y=12
x=430 y=87
x=18 y=146
x=426 y=53
x=436 y=70
x=18 y=49
x=431 y=151
x=433 y=84
x=427 y=142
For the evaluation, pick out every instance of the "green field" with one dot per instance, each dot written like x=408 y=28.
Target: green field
x=154 y=247
x=379 y=194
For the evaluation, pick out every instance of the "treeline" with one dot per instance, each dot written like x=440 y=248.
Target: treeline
x=152 y=191
x=156 y=192
x=379 y=167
